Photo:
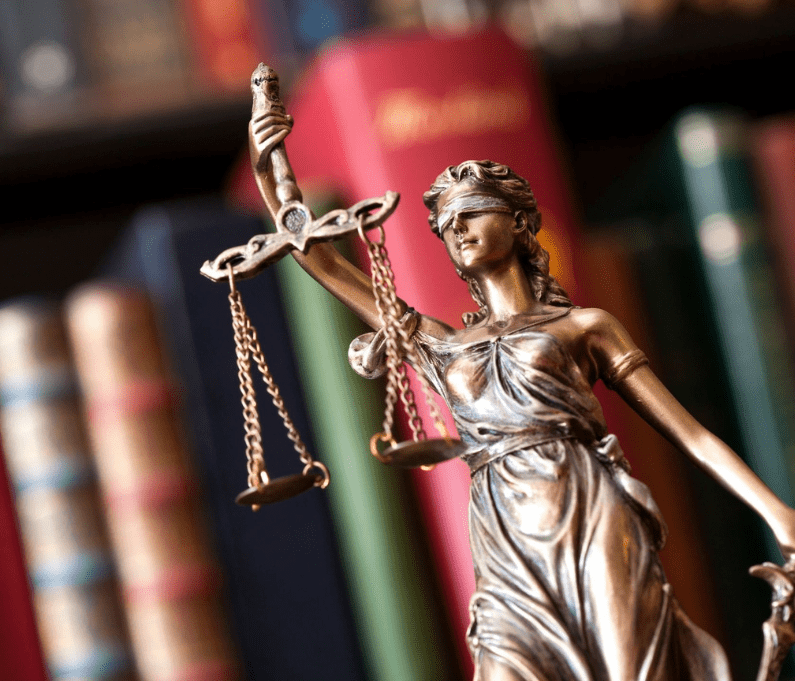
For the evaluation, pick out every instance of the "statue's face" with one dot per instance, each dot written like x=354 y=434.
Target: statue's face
x=479 y=229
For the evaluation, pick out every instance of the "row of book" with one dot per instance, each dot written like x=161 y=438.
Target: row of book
x=167 y=462
x=343 y=584
x=71 y=63
x=705 y=224
x=593 y=26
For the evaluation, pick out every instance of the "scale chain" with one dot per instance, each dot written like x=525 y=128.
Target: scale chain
x=397 y=383
x=398 y=345
x=257 y=475
x=247 y=347
x=276 y=396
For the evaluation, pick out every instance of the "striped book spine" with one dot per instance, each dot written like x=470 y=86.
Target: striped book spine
x=170 y=581
x=59 y=513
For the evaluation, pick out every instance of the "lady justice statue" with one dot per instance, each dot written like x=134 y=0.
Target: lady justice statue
x=565 y=542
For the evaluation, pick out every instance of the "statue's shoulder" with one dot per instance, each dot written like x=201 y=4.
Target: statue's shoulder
x=435 y=328
x=594 y=320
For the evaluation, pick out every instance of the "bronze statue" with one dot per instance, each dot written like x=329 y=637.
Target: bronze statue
x=565 y=542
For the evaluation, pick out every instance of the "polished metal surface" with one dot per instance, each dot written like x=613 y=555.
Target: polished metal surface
x=564 y=540
x=422 y=453
x=278 y=489
x=298 y=229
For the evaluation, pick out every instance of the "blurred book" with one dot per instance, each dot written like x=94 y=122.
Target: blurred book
x=563 y=26
x=611 y=260
x=690 y=208
x=60 y=516
x=296 y=28
x=225 y=43
x=169 y=577
x=773 y=153
x=136 y=55
x=42 y=62
x=291 y=611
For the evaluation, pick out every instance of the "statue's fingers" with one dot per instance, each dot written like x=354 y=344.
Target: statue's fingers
x=261 y=136
x=272 y=119
x=271 y=136
x=266 y=146
x=279 y=137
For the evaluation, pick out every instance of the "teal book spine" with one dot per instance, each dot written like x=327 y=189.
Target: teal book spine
x=738 y=278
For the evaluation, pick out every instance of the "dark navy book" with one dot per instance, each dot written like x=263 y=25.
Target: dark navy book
x=284 y=580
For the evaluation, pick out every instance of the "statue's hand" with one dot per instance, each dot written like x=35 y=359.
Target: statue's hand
x=264 y=133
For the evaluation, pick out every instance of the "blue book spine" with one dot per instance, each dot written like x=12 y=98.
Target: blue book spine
x=283 y=574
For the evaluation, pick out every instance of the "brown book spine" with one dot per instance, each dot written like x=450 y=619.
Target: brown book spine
x=70 y=568
x=659 y=464
x=170 y=580
x=136 y=54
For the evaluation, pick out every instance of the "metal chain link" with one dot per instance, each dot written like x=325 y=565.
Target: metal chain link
x=257 y=475
x=398 y=346
x=247 y=347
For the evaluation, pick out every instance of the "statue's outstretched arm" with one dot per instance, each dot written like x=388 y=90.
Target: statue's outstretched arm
x=647 y=395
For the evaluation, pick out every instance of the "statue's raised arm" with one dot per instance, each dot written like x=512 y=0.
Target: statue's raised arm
x=297 y=229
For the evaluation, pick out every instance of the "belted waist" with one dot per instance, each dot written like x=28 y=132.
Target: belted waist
x=477 y=458
x=606 y=450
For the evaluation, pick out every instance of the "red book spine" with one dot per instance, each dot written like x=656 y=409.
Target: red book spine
x=222 y=42
x=20 y=653
x=169 y=579
x=773 y=153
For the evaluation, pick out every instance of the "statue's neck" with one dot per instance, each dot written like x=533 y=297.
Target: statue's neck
x=507 y=293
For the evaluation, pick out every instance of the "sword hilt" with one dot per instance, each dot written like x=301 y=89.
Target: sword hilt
x=272 y=170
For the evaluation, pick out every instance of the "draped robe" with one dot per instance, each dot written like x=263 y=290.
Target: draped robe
x=569 y=586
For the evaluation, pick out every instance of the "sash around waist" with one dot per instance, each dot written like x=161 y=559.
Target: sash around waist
x=606 y=450
x=477 y=457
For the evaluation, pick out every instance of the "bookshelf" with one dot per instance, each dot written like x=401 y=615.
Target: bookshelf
x=71 y=191
x=628 y=92
x=609 y=104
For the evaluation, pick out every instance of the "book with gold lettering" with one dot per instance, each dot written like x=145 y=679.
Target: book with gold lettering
x=169 y=578
x=69 y=563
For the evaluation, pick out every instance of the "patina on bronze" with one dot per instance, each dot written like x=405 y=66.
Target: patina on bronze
x=564 y=539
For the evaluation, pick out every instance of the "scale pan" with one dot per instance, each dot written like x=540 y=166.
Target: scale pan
x=278 y=490
x=423 y=453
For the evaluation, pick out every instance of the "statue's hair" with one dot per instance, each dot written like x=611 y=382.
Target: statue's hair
x=502 y=182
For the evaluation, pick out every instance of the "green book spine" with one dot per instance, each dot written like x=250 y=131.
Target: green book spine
x=394 y=603
x=739 y=282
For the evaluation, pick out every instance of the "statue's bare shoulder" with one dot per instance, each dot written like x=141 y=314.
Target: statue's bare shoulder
x=594 y=338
